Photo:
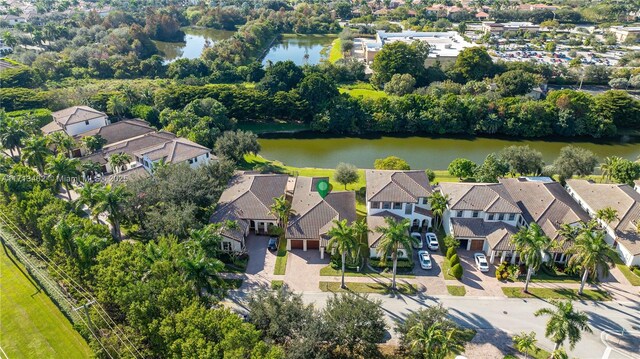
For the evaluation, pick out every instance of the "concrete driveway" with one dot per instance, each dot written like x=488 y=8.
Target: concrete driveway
x=261 y=263
x=478 y=283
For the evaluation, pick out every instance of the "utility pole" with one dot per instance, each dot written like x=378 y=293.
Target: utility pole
x=85 y=308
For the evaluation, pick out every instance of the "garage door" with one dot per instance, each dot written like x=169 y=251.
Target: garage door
x=463 y=244
x=476 y=245
x=296 y=244
x=313 y=244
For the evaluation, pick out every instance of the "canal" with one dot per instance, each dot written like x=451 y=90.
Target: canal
x=310 y=150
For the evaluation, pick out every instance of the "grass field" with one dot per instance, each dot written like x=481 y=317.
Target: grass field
x=457 y=290
x=335 y=53
x=546 y=293
x=31 y=326
x=363 y=90
x=281 y=258
x=378 y=288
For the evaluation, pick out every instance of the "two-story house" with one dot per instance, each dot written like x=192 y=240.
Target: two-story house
x=483 y=217
x=547 y=203
x=399 y=195
x=76 y=120
x=623 y=233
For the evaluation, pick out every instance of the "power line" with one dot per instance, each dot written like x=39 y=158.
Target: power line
x=82 y=291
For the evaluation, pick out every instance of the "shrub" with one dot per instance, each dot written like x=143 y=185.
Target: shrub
x=502 y=271
x=451 y=242
x=277 y=284
x=42 y=115
x=454 y=260
x=431 y=175
x=456 y=271
x=147 y=113
x=376 y=263
x=451 y=252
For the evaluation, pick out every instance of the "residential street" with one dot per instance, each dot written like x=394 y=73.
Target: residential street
x=511 y=316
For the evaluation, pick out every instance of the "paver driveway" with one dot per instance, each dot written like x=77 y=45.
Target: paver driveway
x=303 y=269
x=478 y=283
x=261 y=263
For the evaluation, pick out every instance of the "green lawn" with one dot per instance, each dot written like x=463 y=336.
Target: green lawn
x=538 y=354
x=335 y=53
x=281 y=259
x=543 y=277
x=378 y=288
x=364 y=272
x=277 y=284
x=561 y=293
x=626 y=271
x=457 y=290
x=445 y=269
x=31 y=326
x=364 y=90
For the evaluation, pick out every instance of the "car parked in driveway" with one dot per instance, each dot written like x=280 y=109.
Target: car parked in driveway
x=481 y=262
x=432 y=241
x=425 y=259
x=418 y=236
x=273 y=244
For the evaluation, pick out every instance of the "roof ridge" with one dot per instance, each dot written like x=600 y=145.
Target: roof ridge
x=300 y=216
x=401 y=187
x=410 y=178
x=635 y=204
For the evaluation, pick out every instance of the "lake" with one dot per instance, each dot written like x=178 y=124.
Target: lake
x=295 y=47
x=308 y=150
x=194 y=41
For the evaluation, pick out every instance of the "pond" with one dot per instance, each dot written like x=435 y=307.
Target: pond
x=194 y=42
x=301 y=49
x=309 y=150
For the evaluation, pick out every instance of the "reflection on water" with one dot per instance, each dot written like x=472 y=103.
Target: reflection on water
x=192 y=47
x=301 y=49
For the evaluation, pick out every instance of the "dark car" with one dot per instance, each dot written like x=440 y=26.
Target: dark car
x=273 y=244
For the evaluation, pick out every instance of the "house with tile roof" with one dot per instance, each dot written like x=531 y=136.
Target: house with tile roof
x=624 y=232
x=547 y=203
x=247 y=201
x=76 y=120
x=114 y=132
x=314 y=216
x=483 y=216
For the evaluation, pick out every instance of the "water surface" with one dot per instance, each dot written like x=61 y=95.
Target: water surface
x=194 y=43
x=301 y=49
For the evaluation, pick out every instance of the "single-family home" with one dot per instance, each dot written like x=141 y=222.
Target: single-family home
x=547 y=203
x=376 y=221
x=112 y=133
x=76 y=120
x=624 y=232
x=483 y=217
x=313 y=216
x=247 y=201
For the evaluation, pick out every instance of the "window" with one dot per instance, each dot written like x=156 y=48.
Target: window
x=226 y=246
x=500 y=216
x=397 y=205
x=86 y=123
x=408 y=208
x=425 y=200
x=491 y=217
x=386 y=205
x=476 y=214
x=375 y=205
x=460 y=214
x=191 y=161
x=207 y=155
x=512 y=216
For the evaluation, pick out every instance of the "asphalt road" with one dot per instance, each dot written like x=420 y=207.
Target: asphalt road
x=512 y=316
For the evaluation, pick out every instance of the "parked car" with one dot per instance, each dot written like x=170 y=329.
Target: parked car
x=432 y=241
x=425 y=259
x=481 y=262
x=273 y=244
x=418 y=236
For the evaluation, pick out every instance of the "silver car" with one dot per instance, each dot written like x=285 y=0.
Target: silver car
x=425 y=259
x=432 y=241
x=481 y=262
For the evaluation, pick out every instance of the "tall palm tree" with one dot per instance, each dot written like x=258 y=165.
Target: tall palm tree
x=90 y=169
x=12 y=133
x=87 y=196
x=93 y=143
x=61 y=142
x=64 y=170
x=111 y=200
x=592 y=254
x=559 y=353
x=607 y=165
x=564 y=323
x=343 y=239
x=607 y=215
x=361 y=230
x=119 y=161
x=438 y=203
x=199 y=271
x=281 y=208
x=435 y=342
x=525 y=342
x=35 y=152
x=395 y=236
x=533 y=245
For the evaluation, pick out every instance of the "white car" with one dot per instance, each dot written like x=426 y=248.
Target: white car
x=425 y=259
x=481 y=262
x=432 y=241
x=418 y=237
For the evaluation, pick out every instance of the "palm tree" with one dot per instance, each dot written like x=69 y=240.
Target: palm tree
x=607 y=165
x=559 y=353
x=434 y=342
x=607 y=215
x=281 y=208
x=395 y=236
x=119 y=161
x=61 y=142
x=87 y=196
x=438 y=203
x=12 y=132
x=342 y=239
x=592 y=254
x=93 y=143
x=564 y=323
x=111 y=200
x=90 y=169
x=35 y=152
x=64 y=170
x=361 y=230
x=525 y=342
x=199 y=271
x=533 y=245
